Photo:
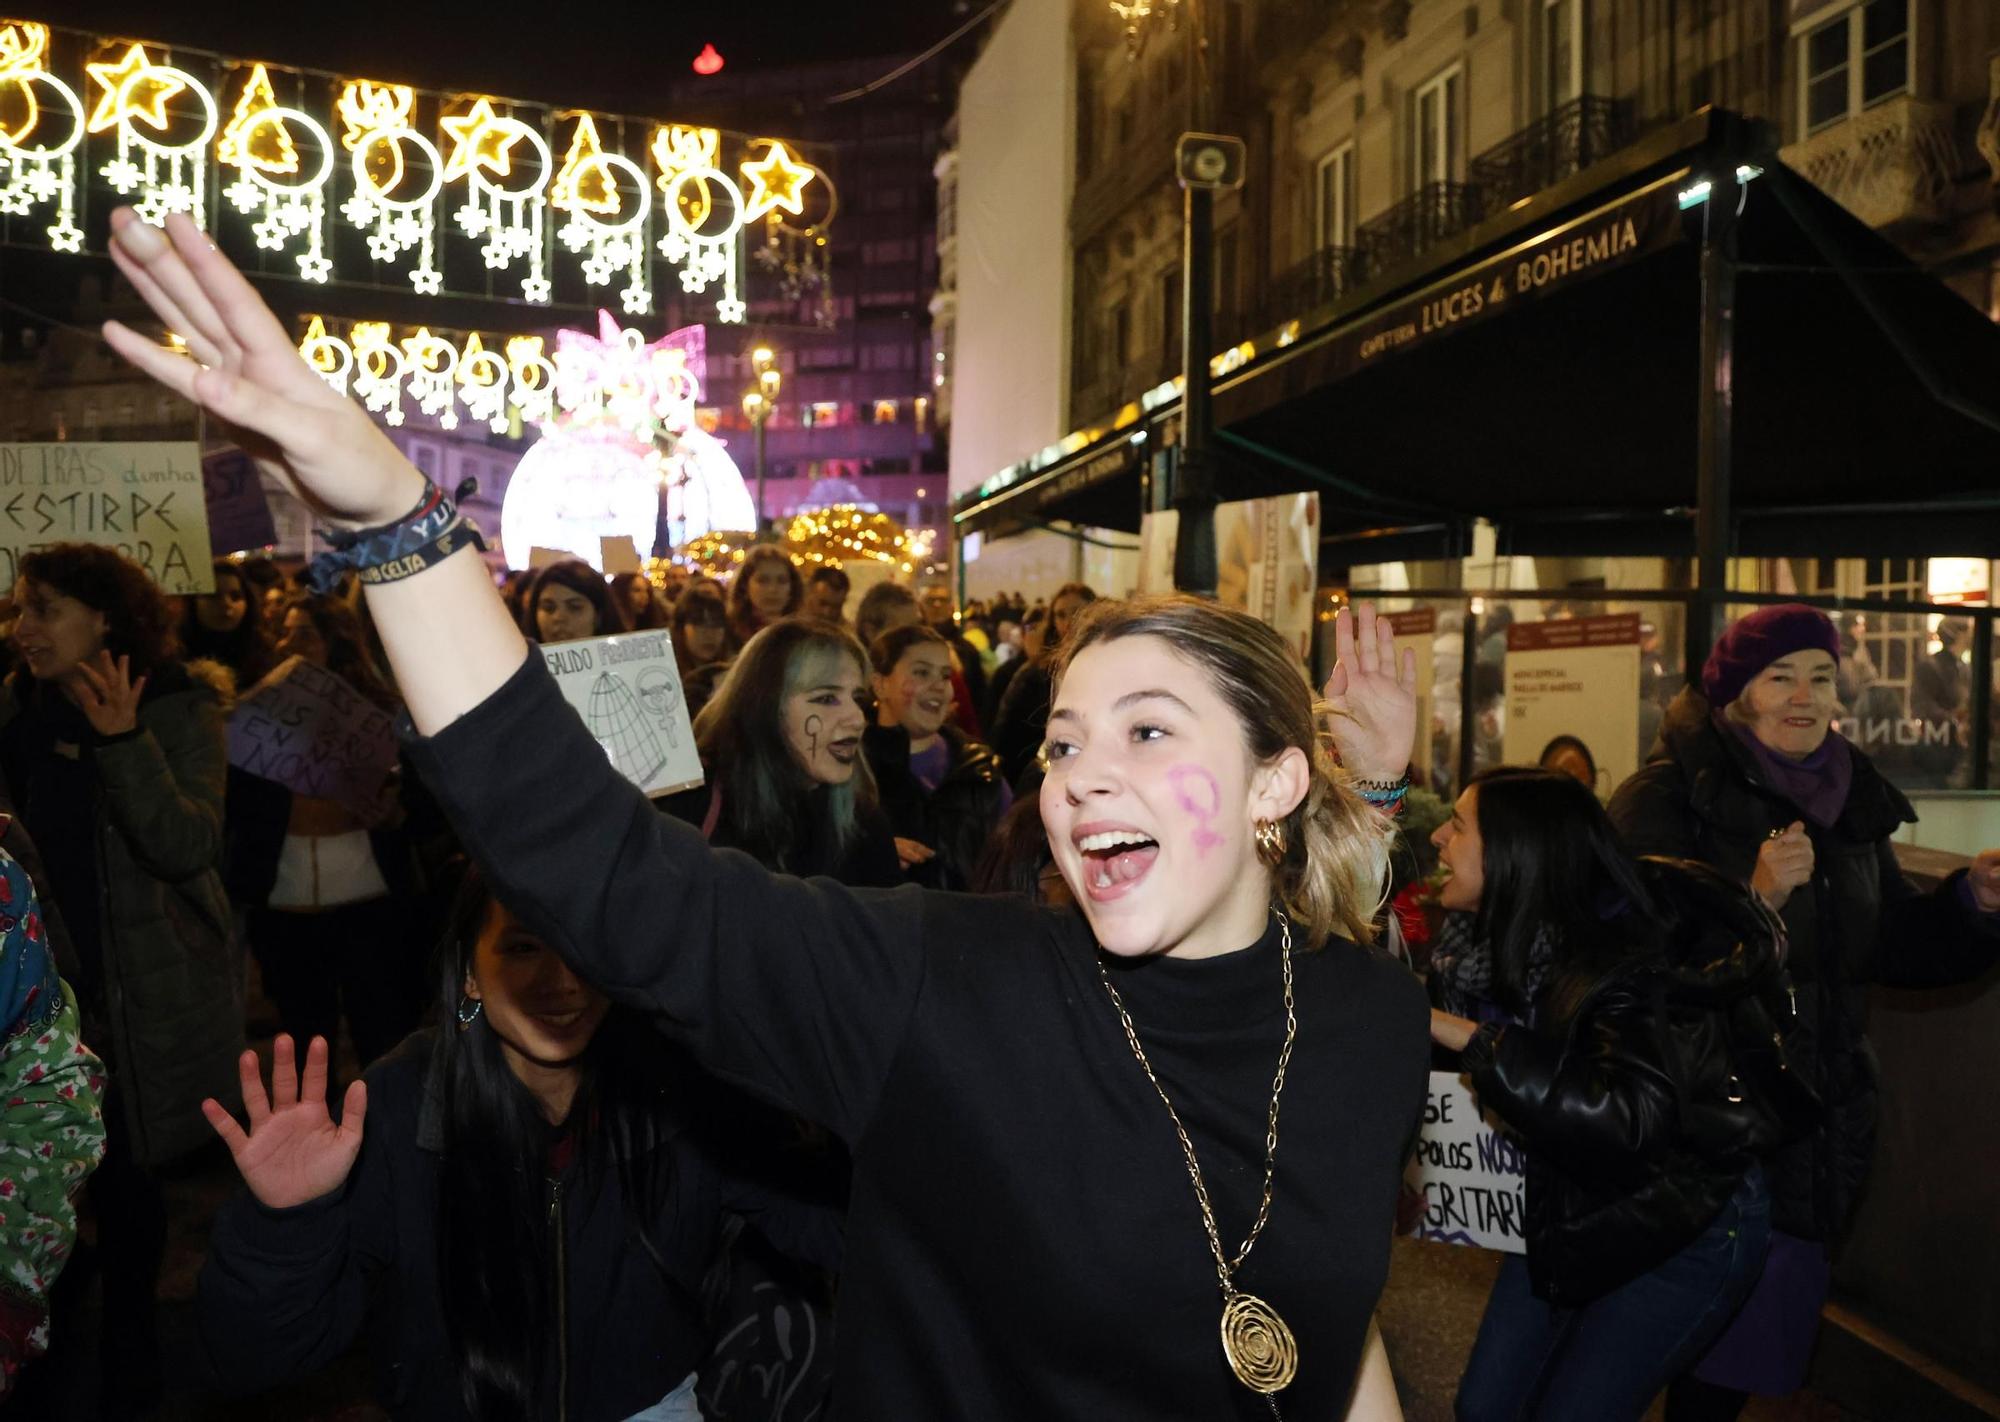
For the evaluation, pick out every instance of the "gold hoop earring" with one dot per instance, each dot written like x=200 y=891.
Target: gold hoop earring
x=1270 y=837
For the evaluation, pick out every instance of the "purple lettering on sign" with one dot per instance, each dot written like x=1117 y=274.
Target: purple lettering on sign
x=1191 y=785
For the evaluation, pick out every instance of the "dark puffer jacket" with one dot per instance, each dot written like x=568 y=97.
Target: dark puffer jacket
x=957 y=818
x=1633 y=1143
x=1860 y=921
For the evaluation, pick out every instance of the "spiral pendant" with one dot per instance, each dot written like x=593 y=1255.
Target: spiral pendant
x=1259 y=1346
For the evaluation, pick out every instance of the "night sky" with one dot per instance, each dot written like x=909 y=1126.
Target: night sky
x=603 y=55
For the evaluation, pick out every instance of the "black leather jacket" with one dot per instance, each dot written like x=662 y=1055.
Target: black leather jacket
x=1633 y=1146
x=957 y=818
x=1860 y=921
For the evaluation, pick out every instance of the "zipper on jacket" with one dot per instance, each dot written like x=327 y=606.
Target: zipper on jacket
x=562 y=1300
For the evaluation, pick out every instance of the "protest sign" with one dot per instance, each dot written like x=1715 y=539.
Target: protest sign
x=627 y=689
x=143 y=498
x=1416 y=632
x=305 y=728
x=1267 y=560
x=1465 y=1184
x=618 y=555
x=1577 y=677
x=239 y=517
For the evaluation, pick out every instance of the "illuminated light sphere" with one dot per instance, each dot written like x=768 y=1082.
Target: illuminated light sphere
x=705 y=491
x=575 y=488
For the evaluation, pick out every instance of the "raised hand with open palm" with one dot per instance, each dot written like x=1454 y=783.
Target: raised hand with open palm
x=1373 y=699
x=294 y=1150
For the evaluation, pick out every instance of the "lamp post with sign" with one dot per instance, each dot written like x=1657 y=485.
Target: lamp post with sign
x=758 y=402
x=1205 y=163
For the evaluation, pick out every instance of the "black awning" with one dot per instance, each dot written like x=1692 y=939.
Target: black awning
x=1547 y=378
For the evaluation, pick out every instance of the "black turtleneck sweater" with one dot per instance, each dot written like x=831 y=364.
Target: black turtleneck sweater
x=1024 y=1240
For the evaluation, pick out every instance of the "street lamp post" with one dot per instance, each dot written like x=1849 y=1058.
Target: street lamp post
x=758 y=402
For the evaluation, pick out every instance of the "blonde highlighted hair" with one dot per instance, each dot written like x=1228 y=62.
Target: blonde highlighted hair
x=1335 y=866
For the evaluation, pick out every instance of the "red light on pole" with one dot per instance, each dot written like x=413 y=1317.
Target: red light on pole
x=708 y=61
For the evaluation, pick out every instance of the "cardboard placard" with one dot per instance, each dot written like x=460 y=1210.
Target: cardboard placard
x=1267 y=560
x=305 y=728
x=1576 y=677
x=239 y=516
x=144 y=498
x=627 y=689
x=1417 y=632
x=1466 y=1183
x=618 y=555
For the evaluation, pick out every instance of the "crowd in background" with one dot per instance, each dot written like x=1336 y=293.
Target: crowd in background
x=900 y=740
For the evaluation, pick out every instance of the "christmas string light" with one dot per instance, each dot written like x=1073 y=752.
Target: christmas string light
x=432 y=368
x=259 y=143
x=602 y=219
x=39 y=165
x=376 y=129
x=486 y=148
x=173 y=174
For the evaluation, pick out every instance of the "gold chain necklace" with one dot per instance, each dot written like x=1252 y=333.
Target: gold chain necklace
x=1258 y=1345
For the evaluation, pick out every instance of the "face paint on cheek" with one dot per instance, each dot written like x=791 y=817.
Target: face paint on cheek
x=1201 y=797
x=812 y=736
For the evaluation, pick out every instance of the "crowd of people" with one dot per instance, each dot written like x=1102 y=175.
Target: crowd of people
x=1003 y=1027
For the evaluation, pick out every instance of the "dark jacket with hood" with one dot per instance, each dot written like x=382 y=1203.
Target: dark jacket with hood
x=957 y=818
x=1859 y=921
x=130 y=828
x=1624 y=1105
x=285 y=1292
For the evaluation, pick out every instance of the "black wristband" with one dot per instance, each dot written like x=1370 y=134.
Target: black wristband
x=409 y=564
x=390 y=544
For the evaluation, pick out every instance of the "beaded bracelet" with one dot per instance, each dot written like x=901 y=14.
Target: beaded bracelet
x=1384 y=794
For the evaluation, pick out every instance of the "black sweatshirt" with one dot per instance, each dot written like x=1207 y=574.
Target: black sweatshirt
x=1023 y=1241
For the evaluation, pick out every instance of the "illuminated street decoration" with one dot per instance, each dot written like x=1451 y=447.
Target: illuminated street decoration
x=379 y=368
x=534 y=388
x=530 y=188
x=39 y=135
x=397 y=175
x=481 y=376
x=705 y=213
x=604 y=219
x=506 y=166
x=432 y=367
x=172 y=172
x=261 y=142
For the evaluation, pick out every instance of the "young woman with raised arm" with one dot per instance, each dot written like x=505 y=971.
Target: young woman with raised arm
x=1134 y=1162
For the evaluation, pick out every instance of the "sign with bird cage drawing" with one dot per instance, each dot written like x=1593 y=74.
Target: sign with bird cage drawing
x=627 y=689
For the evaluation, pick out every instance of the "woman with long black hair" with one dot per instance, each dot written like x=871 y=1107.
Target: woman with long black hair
x=1057 y=1117
x=569 y=601
x=780 y=745
x=228 y=626
x=1647 y=1213
x=523 y=1222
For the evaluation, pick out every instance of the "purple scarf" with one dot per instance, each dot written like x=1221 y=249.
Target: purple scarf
x=1818 y=785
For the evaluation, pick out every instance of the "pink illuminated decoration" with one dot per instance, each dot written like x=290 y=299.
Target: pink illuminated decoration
x=708 y=61
x=624 y=439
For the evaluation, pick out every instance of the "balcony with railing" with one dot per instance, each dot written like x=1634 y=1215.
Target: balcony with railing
x=1557 y=146
x=1891 y=165
x=1417 y=223
x=1326 y=275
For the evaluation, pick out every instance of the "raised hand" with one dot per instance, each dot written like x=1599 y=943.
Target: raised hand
x=242 y=368
x=293 y=1152
x=1784 y=861
x=104 y=691
x=1374 y=701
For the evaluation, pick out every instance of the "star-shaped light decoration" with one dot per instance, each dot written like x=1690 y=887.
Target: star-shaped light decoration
x=481 y=139
x=776 y=181
x=66 y=237
x=730 y=310
x=638 y=301
x=426 y=281
x=535 y=289
x=314 y=267
x=151 y=87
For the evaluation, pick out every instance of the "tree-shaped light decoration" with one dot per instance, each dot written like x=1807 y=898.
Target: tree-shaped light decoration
x=482 y=377
x=172 y=168
x=397 y=175
x=506 y=165
x=704 y=210
x=38 y=149
x=431 y=364
x=534 y=384
x=604 y=219
x=261 y=141
x=331 y=358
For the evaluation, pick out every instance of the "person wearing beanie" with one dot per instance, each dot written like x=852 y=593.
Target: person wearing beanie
x=1749 y=775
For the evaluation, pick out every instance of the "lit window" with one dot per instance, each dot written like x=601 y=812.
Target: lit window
x=885 y=412
x=1437 y=131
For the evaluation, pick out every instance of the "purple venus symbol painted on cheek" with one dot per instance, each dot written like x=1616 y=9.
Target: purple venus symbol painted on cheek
x=1201 y=797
